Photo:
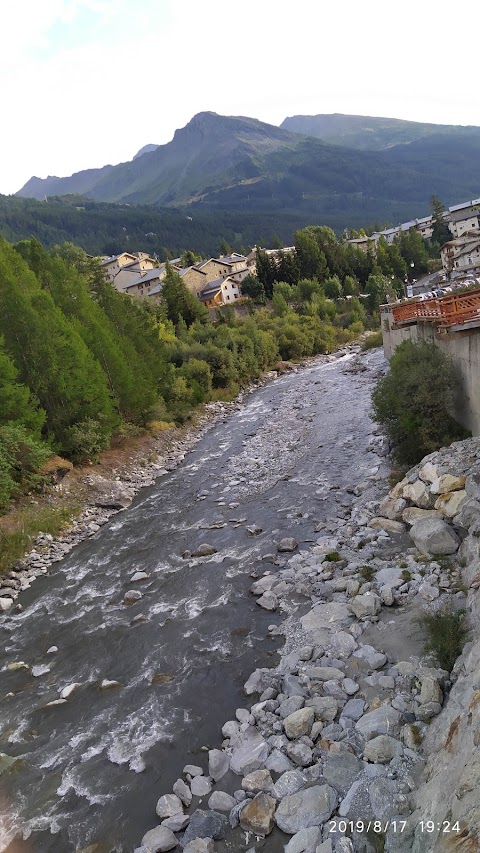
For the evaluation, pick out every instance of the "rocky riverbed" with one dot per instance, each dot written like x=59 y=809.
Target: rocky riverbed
x=128 y=659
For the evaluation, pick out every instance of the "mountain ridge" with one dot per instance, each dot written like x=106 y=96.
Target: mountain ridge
x=241 y=163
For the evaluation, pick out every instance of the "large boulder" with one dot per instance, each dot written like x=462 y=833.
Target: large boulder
x=257 y=816
x=447 y=483
x=382 y=721
x=205 y=824
x=417 y=494
x=392 y=508
x=299 y=723
x=169 y=805
x=110 y=494
x=249 y=752
x=218 y=764
x=305 y=841
x=310 y=807
x=326 y=619
x=368 y=604
x=434 y=536
x=381 y=749
x=159 y=840
x=449 y=504
x=414 y=513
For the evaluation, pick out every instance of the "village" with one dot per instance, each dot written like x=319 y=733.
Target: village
x=218 y=281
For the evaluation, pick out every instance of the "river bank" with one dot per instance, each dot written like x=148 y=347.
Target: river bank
x=340 y=751
x=92 y=756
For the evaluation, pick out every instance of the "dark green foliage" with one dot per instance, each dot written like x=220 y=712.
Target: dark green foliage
x=180 y=303
x=21 y=454
x=252 y=287
x=374 y=340
x=440 y=231
x=446 y=635
x=415 y=399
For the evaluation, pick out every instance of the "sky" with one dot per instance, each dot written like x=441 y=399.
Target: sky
x=90 y=82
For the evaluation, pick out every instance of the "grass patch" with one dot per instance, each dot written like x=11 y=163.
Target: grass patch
x=373 y=341
x=29 y=521
x=446 y=635
x=332 y=557
x=406 y=575
x=367 y=573
x=396 y=476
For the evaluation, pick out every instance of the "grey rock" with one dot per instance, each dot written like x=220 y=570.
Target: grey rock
x=205 y=824
x=204 y=550
x=268 y=601
x=325 y=707
x=356 y=803
x=249 y=752
x=234 y=816
x=192 y=770
x=430 y=690
x=291 y=686
x=341 y=771
x=350 y=686
x=289 y=706
x=310 y=807
x=374 y=659
x=428 y=592
x=218 y=764
x=200 y=845
x=159 y=840
x=353 y=709
x=300 y=754
x=289 y=783
x=287 y=544
x=299 y=723
x=200 y=786
x=382 y=749
x=169 y=805
x=221 y=802
x=367 y=604
x=259 y=780
x=182 y=791
x=343 y=644
x=382 y=798
x=132 y=596
x=322 y=621
x=278 y=762
x=177 y=822
x=139 y=576
x=428 y=711
x=110 y=494
x=305 y=841
x=324 y=673
x=382 y=721
x=391 y=576
x=434 y=536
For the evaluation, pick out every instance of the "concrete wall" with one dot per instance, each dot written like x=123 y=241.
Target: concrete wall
x=462 y=347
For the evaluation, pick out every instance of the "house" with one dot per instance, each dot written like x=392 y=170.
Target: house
x=122 y=269
x=461 y=254
x=461 y=222
x=251 y=258
x=365 y=244
x=222 y=291
x=227 y=265
x=193 y=278
x=144 y=282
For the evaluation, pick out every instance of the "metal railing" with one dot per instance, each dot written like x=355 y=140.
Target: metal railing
x=449 y=310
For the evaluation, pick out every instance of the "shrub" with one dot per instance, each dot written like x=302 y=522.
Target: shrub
x=367 y=573
x=415 y=399
x=332 y=557
x=446 y=634
x=373 y=341
x=87 y=439
x=20 y=457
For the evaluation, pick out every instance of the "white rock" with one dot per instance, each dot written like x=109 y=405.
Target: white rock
x=169 y=805
x=417 y=493
x=68 y=690
x=447 y=483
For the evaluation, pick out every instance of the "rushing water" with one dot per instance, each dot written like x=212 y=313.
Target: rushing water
x=93 y=768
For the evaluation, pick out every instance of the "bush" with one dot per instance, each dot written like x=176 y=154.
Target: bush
x=87 y=439
x=20 y=457
x=373 y=341
x=446 y=635
x=414 y=402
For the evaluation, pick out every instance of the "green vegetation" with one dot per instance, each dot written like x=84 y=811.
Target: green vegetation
x=81 y=364
x=332 y=557
x=367 y=573
x=373 y=341
x=414 y=401
x=446 y=634
x=16 y=540
x=406 y=575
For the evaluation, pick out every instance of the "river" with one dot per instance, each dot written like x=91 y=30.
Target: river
x=93 y=767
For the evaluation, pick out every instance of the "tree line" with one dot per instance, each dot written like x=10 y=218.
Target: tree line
x=82 y=365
